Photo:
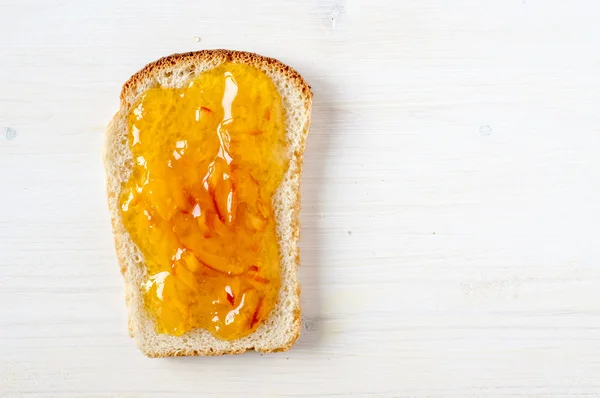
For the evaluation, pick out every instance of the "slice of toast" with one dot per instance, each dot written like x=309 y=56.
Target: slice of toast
x=282 y=327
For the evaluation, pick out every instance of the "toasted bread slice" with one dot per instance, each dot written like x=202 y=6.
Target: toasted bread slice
x=282 y=328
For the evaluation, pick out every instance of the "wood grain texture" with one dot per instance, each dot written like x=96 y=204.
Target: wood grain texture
x=450 y=197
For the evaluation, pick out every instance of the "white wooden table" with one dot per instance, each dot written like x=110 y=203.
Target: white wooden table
x=451 y=196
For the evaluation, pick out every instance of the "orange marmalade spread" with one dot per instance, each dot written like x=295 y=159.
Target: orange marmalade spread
x=207 y=161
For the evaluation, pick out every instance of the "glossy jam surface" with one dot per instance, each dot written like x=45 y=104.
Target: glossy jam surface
x=207 y=161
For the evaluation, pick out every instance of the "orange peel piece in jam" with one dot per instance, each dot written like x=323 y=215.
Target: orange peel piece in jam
x=207 y=160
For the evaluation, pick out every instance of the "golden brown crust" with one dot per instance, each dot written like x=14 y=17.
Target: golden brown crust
x=187 y=61
x=163 y=65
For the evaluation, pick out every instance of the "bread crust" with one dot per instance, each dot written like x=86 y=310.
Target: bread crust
x=181 y=68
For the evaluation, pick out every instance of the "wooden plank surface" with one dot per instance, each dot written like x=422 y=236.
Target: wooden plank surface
x=451 y=196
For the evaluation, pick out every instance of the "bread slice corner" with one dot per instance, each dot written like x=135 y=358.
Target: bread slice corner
x=282 y=328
